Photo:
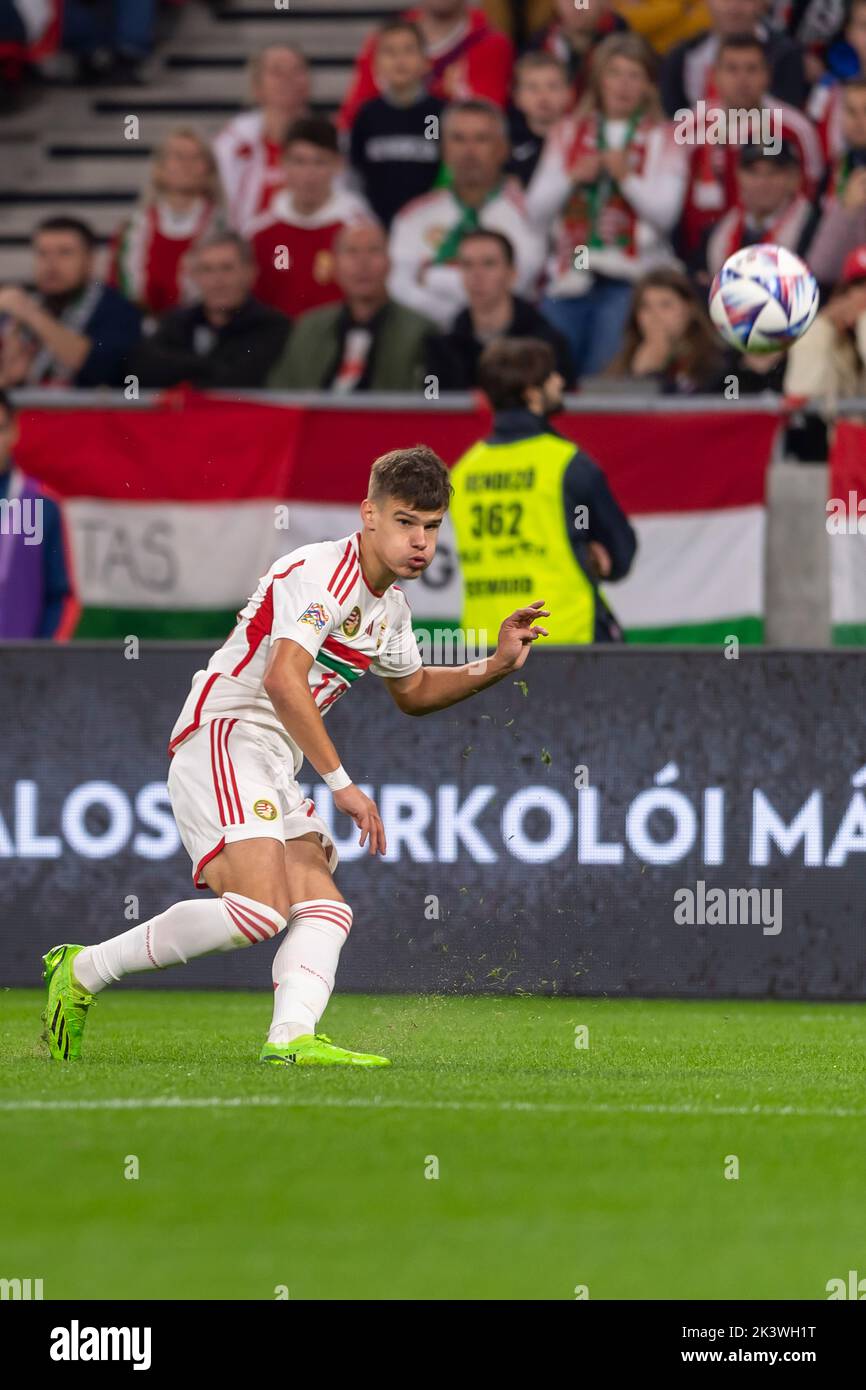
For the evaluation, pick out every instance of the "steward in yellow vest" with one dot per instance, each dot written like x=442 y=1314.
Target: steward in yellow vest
x=532 y=513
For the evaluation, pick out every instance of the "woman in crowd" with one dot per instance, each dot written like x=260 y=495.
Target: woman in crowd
x=611 y=181
x=829 y=362
x=180 y=206
x=669 y=338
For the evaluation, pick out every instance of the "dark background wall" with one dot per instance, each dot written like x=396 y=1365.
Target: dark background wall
x=501 y=873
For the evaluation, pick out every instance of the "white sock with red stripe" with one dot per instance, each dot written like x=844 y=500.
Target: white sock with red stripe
x=184 y=931
x=305 y=965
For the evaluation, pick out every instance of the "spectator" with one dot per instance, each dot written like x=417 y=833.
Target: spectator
x=770 y=207
x=250 y=149
x=179 y=208
x=24 y=22
x=425 y=235
x=613 y=179
x=574 y=35
x=110 y=38
x=669 y=340
x=687 y=69
x=468 y=57
x=70 y=330
x=740 y=97
x=563 y=530
x=394 y=145
x=829 y=361
x=292 y=242
x=826 y=98
x=36 y=598
x=227 y=338
x=541 y=98
x=367 y=343
x=664 y=23
x=486 y=261
x=842 y=227
x=814 y=25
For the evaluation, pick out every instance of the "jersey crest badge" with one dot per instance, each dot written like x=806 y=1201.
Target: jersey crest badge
x=316 y=616
x=353 y=622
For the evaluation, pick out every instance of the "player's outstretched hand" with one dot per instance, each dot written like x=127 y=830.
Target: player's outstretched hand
x=365 y=813
x=518 y=633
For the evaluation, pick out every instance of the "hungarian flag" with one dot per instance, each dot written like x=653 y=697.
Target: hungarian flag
x=175 y=511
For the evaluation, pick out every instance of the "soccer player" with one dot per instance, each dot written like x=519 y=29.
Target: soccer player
x=320 y=618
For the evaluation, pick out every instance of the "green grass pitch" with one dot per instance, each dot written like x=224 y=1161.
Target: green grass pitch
x=558 y=1166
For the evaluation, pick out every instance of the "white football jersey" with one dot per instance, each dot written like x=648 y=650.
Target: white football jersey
x=318 y=597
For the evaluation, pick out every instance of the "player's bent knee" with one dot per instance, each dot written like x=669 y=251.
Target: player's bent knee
x=252 y=921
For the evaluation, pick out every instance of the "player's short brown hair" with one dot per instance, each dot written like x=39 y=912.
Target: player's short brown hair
x=415 y=475
x=509 y=366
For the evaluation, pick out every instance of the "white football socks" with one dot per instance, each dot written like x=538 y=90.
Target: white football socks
x=305 y=965
x=185 y=930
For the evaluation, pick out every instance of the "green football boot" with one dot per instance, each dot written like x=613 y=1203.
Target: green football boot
x=68 y=1003
x=316 y=1050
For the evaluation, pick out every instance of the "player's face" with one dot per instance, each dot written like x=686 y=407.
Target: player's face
x=403 y=537
x=624 y=86
x=542 y=95
x=399 y=61
x=854 y=120
x=310 y=173
x=741 y=78
x=764 y=186
x=283 y=80
x=62 y=262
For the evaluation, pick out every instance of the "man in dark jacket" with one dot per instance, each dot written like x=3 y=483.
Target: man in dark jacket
x=366 y=343
x=228 y=339
x=486 y=261
x=68 y=329
x=686 y=67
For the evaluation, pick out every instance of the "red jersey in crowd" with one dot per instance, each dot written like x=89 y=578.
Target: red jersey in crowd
x=293 y=251
x=475 y=60
x=712 y=189
x=147 y=257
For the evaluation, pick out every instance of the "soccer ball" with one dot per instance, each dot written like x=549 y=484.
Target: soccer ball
x=763 y=298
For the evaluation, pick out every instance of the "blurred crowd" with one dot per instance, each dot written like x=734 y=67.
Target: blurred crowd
x=582 y=186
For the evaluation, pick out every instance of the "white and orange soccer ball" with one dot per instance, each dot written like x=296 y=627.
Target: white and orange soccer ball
x=763 y=298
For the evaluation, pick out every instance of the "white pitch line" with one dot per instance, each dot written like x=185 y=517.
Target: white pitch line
x=398 y=1103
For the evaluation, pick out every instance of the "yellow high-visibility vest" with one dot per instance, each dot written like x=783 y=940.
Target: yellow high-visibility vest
x=513 y=541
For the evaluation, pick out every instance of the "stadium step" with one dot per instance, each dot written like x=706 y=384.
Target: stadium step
x=68 y=152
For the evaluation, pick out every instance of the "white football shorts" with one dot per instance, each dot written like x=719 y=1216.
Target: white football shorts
x=233 y=780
